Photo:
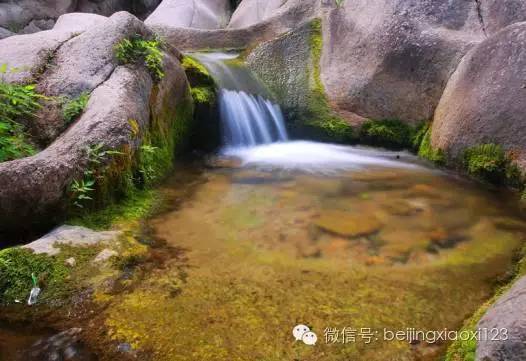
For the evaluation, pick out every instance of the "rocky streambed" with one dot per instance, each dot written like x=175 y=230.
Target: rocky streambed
x=220 y=262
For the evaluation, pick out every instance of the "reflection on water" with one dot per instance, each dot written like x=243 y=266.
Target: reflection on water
x=381 y=246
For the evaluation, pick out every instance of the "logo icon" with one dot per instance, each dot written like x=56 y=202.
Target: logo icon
x=303 y=333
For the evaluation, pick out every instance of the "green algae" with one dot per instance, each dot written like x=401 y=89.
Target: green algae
x=241 y=285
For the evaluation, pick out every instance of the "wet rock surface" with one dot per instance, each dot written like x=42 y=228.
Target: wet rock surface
x=506 y=314
x=73 y=236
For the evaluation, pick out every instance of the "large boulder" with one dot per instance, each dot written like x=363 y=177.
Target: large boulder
x=485 y=98
x=31 y=54
x=392 y=58
x=30 y=16
x=199 y=14
x=507 y=317
x=497 y=14
x=287 y=18
x=250 y=12
x=125 y=107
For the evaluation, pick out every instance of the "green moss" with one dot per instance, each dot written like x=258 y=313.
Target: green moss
x=72 y=108
x=138 y=50
x=426 y=150
x=388 y=133
x=54 y=278
x=204 y=95
x=489 y=162
x=318 y=117
x=197 y=74
x=137 y=205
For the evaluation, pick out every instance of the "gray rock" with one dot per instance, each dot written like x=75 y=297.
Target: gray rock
x=250 y=12
x=105 y=255
x=508 y=314
x=38 y=25
x=284 y=20
x=73 y=236
x=4 y=33
x=485 y=99
x=286 y=66
x=497 y=14
x=87 y=60
x=392 y=58
x=36 y=188
x=26 y=16
x=200 y=14
x=78 y=22
x=32 y=53
x=70 y=262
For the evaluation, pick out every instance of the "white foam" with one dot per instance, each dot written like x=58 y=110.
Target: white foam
x=318 y=157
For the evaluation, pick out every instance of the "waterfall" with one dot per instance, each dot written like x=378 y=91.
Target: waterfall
x=248 y=117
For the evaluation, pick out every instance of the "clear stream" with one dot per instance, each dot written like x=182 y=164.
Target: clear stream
x=277 y=233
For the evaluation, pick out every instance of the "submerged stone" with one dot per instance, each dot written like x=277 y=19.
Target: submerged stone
x=346 y=224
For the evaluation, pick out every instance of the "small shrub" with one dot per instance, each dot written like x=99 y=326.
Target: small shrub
x=74 y=107
x=388 y=133
x=141 y=51
x=489 y=162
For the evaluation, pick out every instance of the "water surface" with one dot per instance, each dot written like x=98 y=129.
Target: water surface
x=330 y=237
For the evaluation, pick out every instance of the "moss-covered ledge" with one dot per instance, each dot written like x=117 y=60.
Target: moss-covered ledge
x=290 y=68
x=206 y=135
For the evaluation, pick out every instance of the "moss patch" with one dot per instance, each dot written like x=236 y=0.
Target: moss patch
x=56 y=280
x=318 y=117
x=204 y=94
x=489 y=162
x=426 y=151
x=137 y=205
x=390 y=133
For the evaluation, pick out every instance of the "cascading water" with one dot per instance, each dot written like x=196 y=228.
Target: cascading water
x=253 y=128
x=248 y=117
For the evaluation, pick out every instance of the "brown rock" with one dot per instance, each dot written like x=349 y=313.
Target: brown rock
x=346 y=224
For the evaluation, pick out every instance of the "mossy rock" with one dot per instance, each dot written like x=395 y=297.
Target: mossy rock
x=290 y=68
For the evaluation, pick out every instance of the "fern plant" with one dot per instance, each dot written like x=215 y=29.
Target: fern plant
x=16 y=102
x=138 y=50
x=74 y=107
